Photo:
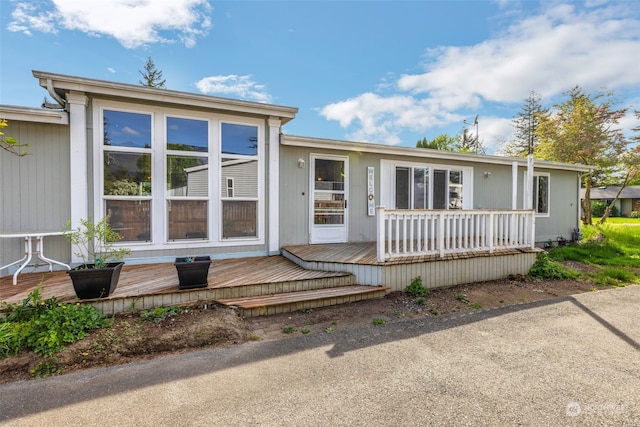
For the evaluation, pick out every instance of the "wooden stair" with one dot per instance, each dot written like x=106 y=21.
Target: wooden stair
x=262 y=305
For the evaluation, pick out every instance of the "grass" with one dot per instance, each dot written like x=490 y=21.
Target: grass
x=620 y=248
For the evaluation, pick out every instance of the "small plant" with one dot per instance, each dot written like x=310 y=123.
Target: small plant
x=255 y=337
x=544 y=268
x=288 y=330
x=379 y=321
x=416 y=288
x=159 y=314
x=421 y=301
x=95 y=243
x=305 y=331
x=46 y=368
x=462 y=297
x=474 y=305
x=330 y=330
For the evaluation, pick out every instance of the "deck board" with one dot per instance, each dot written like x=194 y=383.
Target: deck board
x=162 y=278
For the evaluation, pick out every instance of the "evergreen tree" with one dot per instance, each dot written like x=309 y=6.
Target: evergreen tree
x=151 y=76
x=525 y=124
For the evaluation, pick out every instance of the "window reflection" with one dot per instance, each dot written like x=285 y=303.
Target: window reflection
x=239 y=139
x=130 y=218
x=240 y=176
x=187 y=176
x=124 y=129
x=187 y=134
x=127 y=174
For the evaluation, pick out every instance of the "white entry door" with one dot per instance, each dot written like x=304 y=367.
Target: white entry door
x=329 y=213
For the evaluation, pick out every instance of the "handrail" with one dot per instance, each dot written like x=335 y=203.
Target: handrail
x=404 y=233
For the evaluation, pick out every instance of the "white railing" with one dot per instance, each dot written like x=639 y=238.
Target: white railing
x=407 y=233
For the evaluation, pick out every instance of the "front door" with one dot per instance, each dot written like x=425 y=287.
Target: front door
x=329 y=184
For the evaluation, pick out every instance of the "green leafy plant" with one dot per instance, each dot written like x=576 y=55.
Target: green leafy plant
x=545 y=268
x=95 y=242
x=305 y=331
x=416 y=288
x=159 y=314
x=45 y=326
x=379 y=321
x=421 y=301
x=46 y=368
x=288 y=330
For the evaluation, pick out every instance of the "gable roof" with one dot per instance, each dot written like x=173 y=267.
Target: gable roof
x=629 y=192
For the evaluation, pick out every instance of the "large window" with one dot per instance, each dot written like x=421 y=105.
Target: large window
x=428 y=188
x=239 y=180
x=167 y=177
x=187 y=183
x=541 y=194
x=127 y=175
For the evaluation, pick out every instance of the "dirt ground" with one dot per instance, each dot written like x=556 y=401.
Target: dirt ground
x=132 y=338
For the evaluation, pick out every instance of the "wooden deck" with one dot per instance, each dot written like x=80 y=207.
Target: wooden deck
x=157 y=279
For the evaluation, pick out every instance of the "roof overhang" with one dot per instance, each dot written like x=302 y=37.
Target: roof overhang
x=63 y=84
x=366 y=147
x=39 y=115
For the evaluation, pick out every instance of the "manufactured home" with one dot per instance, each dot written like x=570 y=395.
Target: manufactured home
x=182 y=174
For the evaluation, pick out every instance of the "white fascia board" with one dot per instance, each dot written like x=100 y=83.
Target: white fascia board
x=39 y=115
x=367 y=147
x=62 y=84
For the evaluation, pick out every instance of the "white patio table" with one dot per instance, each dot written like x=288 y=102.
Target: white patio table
x=28 y=237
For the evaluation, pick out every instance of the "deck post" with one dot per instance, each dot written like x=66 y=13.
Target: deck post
x=380 y=233
x=490 y=231
x=441 y=233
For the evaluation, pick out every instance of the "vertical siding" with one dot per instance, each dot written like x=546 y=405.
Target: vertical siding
x=294 y=196
x=563 y=207
x=34 y=194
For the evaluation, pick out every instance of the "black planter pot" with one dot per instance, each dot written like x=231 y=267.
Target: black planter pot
x=90 y=282
x=193 y=271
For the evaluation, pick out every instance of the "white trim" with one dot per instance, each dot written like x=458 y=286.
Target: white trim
x=365 y=147
x=63 y=83
x=273 y=219
x=530 y=194
x=78 y=157
x=38 y=115
x=159 y=214
x=388 y=177
x=345 y=229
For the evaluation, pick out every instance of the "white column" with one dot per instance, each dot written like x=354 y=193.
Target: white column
x=528 y=189
x=273 y=192
x=514 y=186
x=79 y=194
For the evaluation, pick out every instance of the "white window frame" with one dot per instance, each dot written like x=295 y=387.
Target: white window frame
x=536 y=176
x=159 y=214
x=388 y=176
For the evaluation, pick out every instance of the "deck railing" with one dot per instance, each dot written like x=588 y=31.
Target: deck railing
x=407 y=233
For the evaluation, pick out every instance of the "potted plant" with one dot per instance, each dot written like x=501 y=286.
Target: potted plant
x=97 y=276
x=193 y=271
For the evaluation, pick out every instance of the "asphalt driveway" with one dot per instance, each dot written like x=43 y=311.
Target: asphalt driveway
x=569 y=361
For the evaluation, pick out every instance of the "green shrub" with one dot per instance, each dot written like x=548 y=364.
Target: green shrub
x=544 y=268
x=416 y=288
x=597 y=208
x=158 y=314
x=45 y=326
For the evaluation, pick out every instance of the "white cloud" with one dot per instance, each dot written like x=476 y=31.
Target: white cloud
x=549 y=53
x=133 y=23
x=232 y=85
x=111 y=70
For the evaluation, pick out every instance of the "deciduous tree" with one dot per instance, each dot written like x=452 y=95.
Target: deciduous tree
x=9 y=143
x=583 y=130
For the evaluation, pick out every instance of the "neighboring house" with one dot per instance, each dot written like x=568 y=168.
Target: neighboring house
x=180 y=173
x=628 y=201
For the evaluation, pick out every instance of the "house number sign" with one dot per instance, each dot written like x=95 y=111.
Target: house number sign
x=371 y=198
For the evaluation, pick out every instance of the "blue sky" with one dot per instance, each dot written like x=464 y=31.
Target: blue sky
x=389 y=72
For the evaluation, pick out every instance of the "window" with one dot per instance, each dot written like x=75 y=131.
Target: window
x=127 y=174
x=239 y=173
x=541 y=193
x=162 y=176
x=187 y=181
x=428 y=188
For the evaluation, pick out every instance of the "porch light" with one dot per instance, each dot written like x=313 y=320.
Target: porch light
x=487 y=174
x=301 y=163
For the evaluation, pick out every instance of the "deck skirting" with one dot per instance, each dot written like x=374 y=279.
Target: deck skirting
x=435 y=272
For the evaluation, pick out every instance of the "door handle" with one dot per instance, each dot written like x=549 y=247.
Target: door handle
x=345 y=203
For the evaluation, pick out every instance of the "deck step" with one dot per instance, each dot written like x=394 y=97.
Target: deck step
x=303 y=300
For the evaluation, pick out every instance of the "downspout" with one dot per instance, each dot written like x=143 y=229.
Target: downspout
x=54 y=95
